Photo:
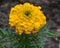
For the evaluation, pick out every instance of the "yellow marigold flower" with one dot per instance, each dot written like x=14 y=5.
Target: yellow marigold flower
x=26 y=18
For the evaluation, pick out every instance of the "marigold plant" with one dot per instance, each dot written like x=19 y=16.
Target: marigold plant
x=26 y=18
x=30 y=28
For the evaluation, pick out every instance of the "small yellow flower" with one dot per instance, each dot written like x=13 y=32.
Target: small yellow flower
x=26 y=18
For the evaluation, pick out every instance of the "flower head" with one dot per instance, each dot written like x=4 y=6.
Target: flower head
x=26 y=18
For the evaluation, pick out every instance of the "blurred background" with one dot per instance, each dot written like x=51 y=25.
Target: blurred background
x=51 y=9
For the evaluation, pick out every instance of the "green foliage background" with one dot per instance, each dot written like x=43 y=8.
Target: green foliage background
x=10 y=39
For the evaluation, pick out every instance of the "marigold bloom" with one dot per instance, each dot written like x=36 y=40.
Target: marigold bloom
x=26 y=18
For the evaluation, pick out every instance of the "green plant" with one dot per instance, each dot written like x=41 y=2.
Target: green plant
x=10 y=39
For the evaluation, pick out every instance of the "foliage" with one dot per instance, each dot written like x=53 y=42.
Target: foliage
x=10 y=39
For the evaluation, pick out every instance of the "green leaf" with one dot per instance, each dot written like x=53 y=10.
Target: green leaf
x=1 y=32
x=51 y=33
x=44 y=27
x=1 y=46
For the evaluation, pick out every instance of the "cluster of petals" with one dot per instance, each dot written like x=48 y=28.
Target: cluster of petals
x=26 y=18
